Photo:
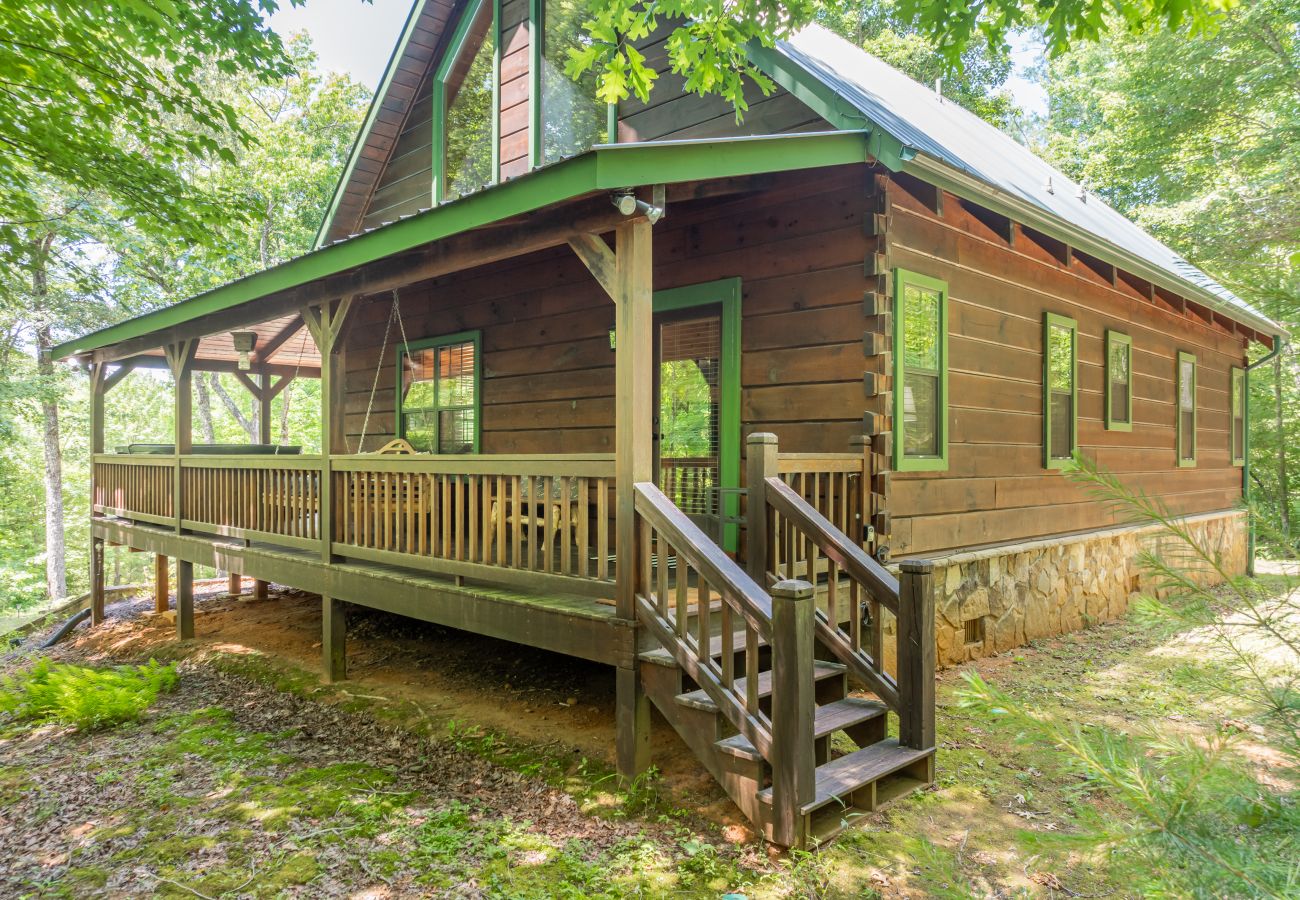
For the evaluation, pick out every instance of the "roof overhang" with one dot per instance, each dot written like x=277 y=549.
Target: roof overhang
x=603 y=168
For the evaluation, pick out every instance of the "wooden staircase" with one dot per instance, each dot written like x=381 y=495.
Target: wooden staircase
x=754 y=673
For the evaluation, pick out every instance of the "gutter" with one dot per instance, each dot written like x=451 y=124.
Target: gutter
x=1245 y=450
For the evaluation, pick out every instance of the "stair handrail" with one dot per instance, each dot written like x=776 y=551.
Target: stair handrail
x=880 y=585
x=735 y=588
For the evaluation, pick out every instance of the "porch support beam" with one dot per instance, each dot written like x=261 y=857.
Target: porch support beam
x=334 y=635
x=184 y=599
x=264 y=353
x=522 y=235
x=326 y=323
x=633 y=379
x=161 y=583
x=599 y=260
x=180 y=359
x=228 y=366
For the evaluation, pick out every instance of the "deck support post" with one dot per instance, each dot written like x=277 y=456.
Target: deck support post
x=793 y=707
x=916 y=652
x=260 y=589
x=634 y=462
x=234 y=584
x=184 y=599
x=334 y=633
x=96 y=580
x=161 y=583
x=326 y=324
x=760 y=464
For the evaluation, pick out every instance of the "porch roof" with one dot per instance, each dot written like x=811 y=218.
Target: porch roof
x=346 y=267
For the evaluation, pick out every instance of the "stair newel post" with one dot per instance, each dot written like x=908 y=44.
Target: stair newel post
x=793 y=709
x=760 y=464
x=916 y=652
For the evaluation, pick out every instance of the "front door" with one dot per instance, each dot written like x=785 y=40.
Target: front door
x=688 y=376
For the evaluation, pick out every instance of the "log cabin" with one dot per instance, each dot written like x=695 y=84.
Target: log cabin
x=675 y=392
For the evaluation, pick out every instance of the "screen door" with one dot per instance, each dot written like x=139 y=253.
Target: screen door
x=688 y=371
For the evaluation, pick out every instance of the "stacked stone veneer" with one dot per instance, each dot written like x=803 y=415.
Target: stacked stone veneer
x=1012 y=594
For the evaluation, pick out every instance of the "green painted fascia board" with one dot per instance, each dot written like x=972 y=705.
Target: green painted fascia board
x=903 y=462
x=376 y=101
x=662 y=162
x=1051 y=320
x=603 y=168
x=1113 y=340
x=556 y=183
x=727 y=292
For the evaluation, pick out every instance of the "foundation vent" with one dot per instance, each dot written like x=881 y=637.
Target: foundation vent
x=974 y=630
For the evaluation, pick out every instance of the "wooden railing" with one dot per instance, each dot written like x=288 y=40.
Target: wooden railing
x=787 y=533
x=528 y=520
x=834 y=484
x=266 y=498
x=138 y=487
x=716 y=621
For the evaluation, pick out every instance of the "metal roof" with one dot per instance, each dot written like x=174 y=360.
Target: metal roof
x=942 y=135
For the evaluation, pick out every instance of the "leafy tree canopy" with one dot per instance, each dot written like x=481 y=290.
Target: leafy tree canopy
x=106 y=97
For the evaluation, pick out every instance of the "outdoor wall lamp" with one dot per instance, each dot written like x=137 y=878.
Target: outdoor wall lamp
x=244 y=342
x=627 y=203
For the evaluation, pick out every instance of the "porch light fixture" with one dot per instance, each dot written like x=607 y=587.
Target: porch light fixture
x=244 y=342
x=627 y=203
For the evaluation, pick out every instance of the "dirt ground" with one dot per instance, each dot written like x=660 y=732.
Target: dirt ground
x=454 y=765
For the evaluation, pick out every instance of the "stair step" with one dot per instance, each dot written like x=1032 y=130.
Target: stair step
x=660 y=656
x=830 y=718
x=848 y=773
x=700 y=700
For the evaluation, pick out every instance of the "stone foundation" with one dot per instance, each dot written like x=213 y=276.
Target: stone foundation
x=997 y=598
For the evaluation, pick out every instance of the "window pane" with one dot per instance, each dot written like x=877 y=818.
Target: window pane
x=418 y=380
x=1060 y=358
x=920 y=414
x=921 y=328
x=1059 y=438
x=1118 y=402
x=1238 y=438
x=1187 y=434
x=1119 y=363
x=1186 y=384
x=456 y=431
x=1118 y=373
x=456 y=375
x=468 y=127
x=572 y=118
x=417 y=428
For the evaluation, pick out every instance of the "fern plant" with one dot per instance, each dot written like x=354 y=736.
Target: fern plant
x=84 y=697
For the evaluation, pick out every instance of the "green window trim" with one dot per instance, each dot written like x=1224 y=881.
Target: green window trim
x=1182 y=460
x=903 y=462
x=458 y=45
x=1115 y=339
x=725 y=292
x=460 y=337
x=1050 y=321
x=1237 y=407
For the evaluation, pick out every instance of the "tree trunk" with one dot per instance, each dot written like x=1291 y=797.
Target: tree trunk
x=245 y=422
x=56 y=564
x=1283 y=487
x=205 y=411
x=284 y=414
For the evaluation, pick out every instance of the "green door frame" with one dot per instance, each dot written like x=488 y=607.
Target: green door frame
x=724 y=292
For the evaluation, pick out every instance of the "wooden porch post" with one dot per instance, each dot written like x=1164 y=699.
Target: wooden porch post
x=325 y=323
x=793 y=765
x=334 y=632
x=184 y=599
x=760 y=464
x=180 y=359
x=264 y=397
x=916 y=652
x=633 y=380
x=161 y=583
x=96 y=580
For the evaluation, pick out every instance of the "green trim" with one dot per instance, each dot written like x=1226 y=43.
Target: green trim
x=629 y=165
x=1050 y=321
x=458 y=45
x=460 y=337
x=601 y=168
x=903 y=462
x=1237 y=405
x=536 y=34
x=1118 y=339
x=727 y=293
x=1190 y=462
x=376 y=101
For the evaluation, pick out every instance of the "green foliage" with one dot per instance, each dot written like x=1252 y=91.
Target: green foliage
x=87 y=698
x=111 y=98
x=1200 y=821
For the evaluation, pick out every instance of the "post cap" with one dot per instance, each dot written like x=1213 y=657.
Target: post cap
x=761 y=437
x=792 y=589
x=917 y=566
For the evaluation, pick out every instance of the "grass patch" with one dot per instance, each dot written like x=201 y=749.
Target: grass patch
x=86 y=698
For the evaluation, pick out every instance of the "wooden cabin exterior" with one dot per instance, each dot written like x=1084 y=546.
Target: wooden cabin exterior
x=675 y=402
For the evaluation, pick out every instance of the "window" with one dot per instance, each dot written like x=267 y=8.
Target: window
x=1119 y=381
x=920 y=373
x=1186 y=409
x=465 y=93
x=571 y=119
x=438 y=409
x=1060 y=390
x=1238 y=416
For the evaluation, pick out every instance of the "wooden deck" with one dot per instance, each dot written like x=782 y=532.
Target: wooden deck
x=568 y=623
